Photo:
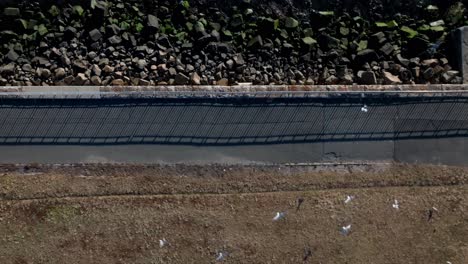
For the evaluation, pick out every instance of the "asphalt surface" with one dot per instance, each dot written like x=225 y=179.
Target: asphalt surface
x=204 y=130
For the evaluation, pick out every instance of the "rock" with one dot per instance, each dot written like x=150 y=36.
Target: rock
x=291 y=23
x=118 y=82
x=95 y=34
x=70 y=32
x=341 y=71
x=92 y=55
x=172 y=71
x=80 y=66
x=195 y=78
x=65 y=60
x=8 y=69
x=115 y=40
x=367 y=55
x=430 y=62
x=403 y=61
x=41 y=61
x=12 y=55
x=237 y=20
x=387 y=49
x=390 y=78
x=449 y=76
x=332 y=80
x=238 y=59
x=309 y=81
x=103 y=62
x=223 y=82
x=416 y=71
x=96 y=70
x=11 y=12
x=141 y=64
x=60 y=73
x=230 y=64
x=27 y=68
x=428 y=73
x=367 y=77
x=108 y=69
x=256 y=41
x=144 y=82
x=69 y=79
x=347 y=79
x=96 y=80
x=181 y=79
x=443 y=61
x=153 y=22
x=80 y=79
x=189 y=68
x=298 y=75
x=112 y=30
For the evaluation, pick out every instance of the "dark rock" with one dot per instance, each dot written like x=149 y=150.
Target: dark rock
x=96 y=80
x=390 y=78
x=387 y=49
x=115 y=40
x=367 y=77
x=60 y=73
x=80 y=66
x=379 y=38
x=41 y=61
x=237 y=20
x=80 y=79
x=95 y=35
x=367 y=55
x=69 y=79
x=12 y=55
x=45 y=73
x=403 y=61
x=195 y=78
x=70 y=32
x=112 y=30
x=406 y=75
x=172 y=71
x=181 y=79
x=27 y=68
x=238 y=59
x=153 y=22
x=256 y=41
x=8 y=69
x=11 y=11
x=341 y=71
x=65 y=60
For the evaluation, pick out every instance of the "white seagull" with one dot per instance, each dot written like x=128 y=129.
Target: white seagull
x=345 y=230
x=364 y=109
x=396 y=205
x=163 y=242
x=349 y=198
x=220 y=256
x=279 y=216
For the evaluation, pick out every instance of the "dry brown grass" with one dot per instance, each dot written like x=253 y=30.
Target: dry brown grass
x=117 y=214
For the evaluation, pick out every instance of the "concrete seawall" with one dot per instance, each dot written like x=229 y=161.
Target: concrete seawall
x=407 y=124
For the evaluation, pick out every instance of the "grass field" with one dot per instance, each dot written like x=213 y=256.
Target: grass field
x=118 y=214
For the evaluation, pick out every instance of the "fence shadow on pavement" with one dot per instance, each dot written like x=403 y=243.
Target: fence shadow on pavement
x=229 y=121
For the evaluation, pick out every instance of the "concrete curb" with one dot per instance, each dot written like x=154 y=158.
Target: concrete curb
x=97 y=92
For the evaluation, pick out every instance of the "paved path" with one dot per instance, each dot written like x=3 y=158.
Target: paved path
x=426 y=129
